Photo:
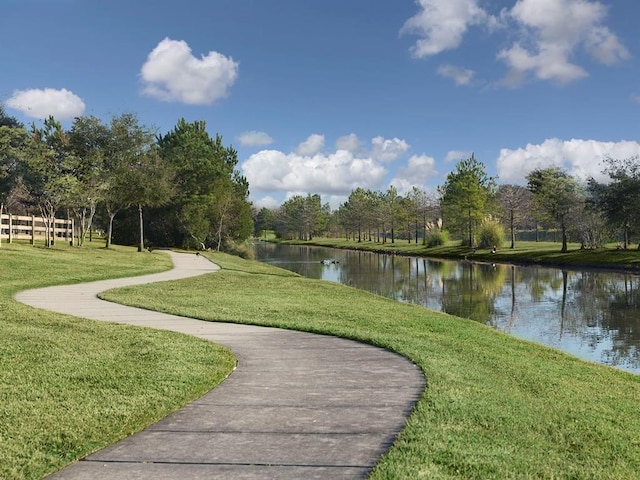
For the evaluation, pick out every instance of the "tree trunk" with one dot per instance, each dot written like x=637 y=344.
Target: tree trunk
x=141 y=244
x=626 y=237
x=513 y=231
x=470 y=231
x=109 y=229
x=564 y=236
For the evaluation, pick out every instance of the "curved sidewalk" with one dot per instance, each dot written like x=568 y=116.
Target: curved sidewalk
x=297 y=406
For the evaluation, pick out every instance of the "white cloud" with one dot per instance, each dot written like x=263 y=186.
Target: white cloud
x=457 y=155
x=545 y=36
x=171 y=73
x=551 y=32
x=442 y=24
x=418 y=171
x=254 y=139
x=266 y=202
x=388 y=150
x=350 y=143
x=312 y=145
x=581 y=158
x=40 y=103
x=333 y=175
x=336 y=173
x=461 y=76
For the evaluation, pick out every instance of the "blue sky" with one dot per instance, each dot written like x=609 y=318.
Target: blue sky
x=324 y=97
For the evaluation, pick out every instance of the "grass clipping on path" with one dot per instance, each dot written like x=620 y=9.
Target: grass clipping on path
x=70 y=386
x=495 y=407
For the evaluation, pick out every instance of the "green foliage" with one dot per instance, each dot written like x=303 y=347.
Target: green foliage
x=302 y=217
x=436 y=238
x=356 y=214
x=618 y=200
x=211 y=206
x=239 y=249
x=490 y=233
x=89 y=143
x=13 y=141
x=48 y=170
x=465 y=197
x=263 y=220
x=557 y=195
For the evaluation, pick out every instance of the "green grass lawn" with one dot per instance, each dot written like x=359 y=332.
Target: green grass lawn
x=70 y=386
x=495 y=407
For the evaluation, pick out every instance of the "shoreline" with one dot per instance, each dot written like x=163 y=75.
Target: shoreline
x=542 y=255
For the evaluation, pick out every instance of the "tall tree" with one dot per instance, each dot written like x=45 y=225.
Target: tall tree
x=557 y=194
x=619 y=199
x=150 y=185
x=465 y=196
x=13 y=141
x=355 y=211
x=125 y=161
x=423 y=209
x=89 y=140
x=394 y=214
x=515 y=202
x=263 y=220
x=49 y=171
x=211 y=196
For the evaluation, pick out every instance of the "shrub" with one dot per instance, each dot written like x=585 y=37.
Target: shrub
x=490 y=234
x=436 y=237
x=242 y=250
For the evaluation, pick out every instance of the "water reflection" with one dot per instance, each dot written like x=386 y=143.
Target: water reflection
x=591 y=314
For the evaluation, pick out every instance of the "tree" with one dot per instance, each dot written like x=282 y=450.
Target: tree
x=150 y=185
x=423 y=209
x=13 y=139
x=515 y=202
x=48 y=174
x=619 y=199
x=557 y=194
x=211 y=203
x=231 y=214
x=89 y=141
x=263 y=220
x=355 y=211
x=302 y=217
x=465 y=196
x=8 y=121
x=127 y=160
x=392 y=211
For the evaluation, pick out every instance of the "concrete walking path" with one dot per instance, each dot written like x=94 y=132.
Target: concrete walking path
x=297 y=406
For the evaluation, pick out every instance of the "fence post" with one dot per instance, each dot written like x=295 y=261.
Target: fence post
x=10 y=228
x=33 y=230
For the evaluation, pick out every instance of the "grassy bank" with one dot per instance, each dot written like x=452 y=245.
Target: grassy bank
x=495 y=407
x=540 y=253
x=70 y=386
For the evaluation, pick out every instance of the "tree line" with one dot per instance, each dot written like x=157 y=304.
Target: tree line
x=472 y=207
x=181 y=188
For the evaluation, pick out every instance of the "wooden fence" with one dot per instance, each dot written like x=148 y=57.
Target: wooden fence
x=29 y=227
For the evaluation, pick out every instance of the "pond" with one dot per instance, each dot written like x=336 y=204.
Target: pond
x=593 y=314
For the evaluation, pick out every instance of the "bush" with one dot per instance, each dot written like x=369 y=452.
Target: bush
x=436 y=237
x=242 y=250
x=490 y=234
